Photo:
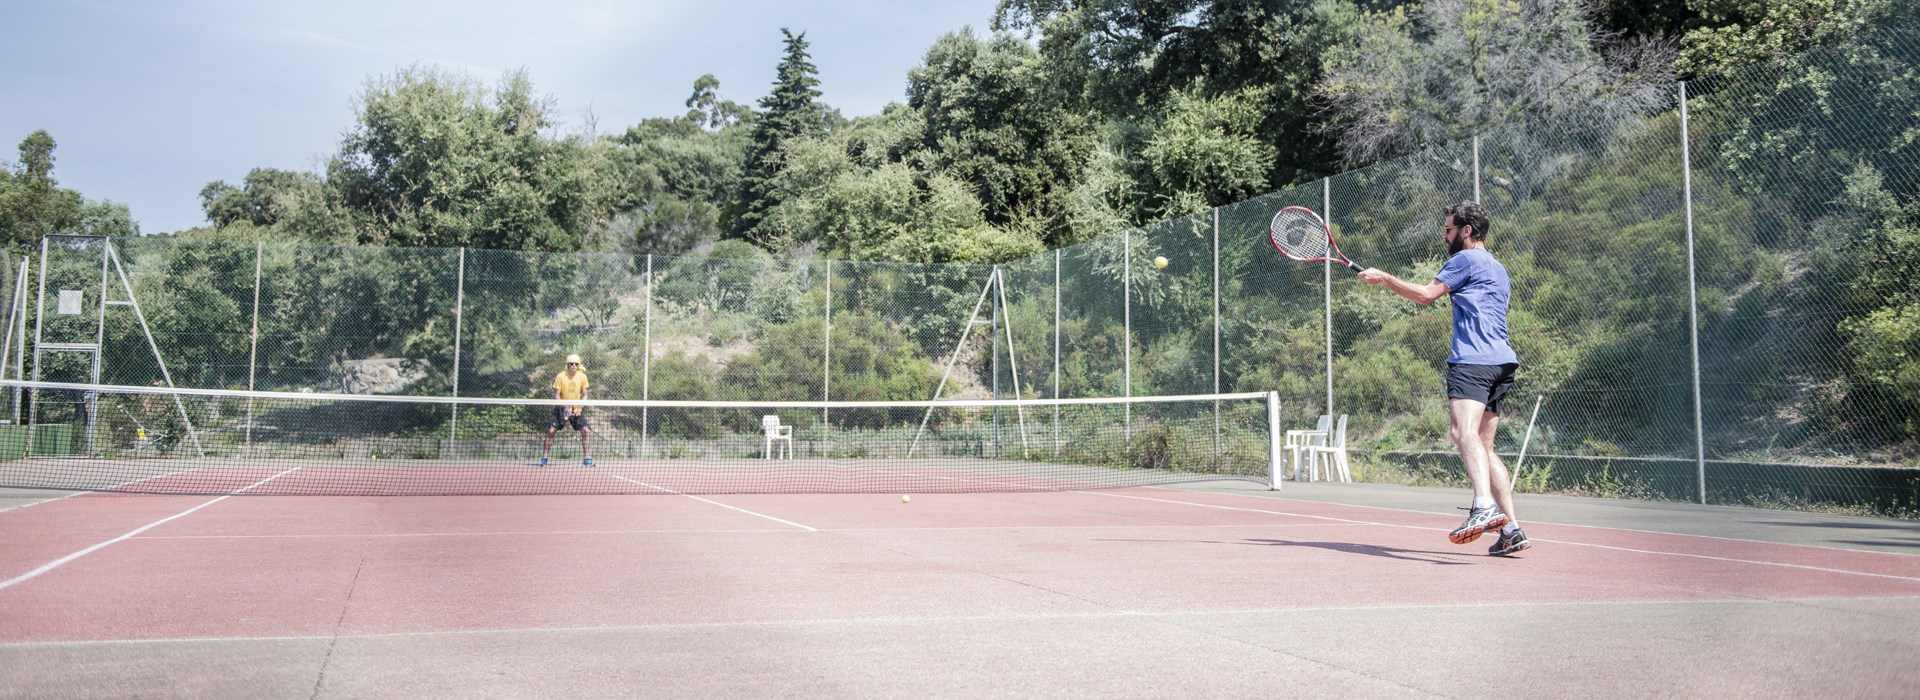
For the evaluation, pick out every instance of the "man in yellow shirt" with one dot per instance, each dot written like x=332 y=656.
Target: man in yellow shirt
x=569 y=385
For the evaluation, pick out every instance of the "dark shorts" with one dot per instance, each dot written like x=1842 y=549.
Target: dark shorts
x=1487 y=384
x=561 y=420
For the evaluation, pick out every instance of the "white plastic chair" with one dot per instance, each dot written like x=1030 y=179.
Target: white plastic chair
x=776 y=431
x=1299 y=440
x=1335 y=451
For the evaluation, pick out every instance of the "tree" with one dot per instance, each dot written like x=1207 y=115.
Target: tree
x=1204 y=151
x=1129 y=60
x=435 y=159
x=32 y=203
x=675 y=175
x=1453 y=68
x=988 y=120
x=788 y=112
x=1740 y=32
x=707 y=109
x=266 y=196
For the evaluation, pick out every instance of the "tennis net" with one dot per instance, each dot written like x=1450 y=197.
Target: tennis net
x=201 y=441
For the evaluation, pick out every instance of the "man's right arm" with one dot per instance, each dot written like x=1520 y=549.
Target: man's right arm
x=1418 y=294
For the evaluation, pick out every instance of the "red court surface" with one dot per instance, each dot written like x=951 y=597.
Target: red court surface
x=1351 y=590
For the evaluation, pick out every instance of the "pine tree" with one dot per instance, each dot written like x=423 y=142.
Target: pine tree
x=789 y=112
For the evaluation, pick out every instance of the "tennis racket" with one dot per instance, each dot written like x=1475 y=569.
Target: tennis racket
x=1302 y=235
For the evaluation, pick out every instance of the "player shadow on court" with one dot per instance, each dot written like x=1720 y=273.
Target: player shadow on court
x=1372 y=550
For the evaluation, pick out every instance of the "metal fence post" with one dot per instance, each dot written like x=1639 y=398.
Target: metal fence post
x=1693 y=300
x=1216 y=333
x=1476 y=168
x=1056 y=351
x=459 y=311
x=1326 y=206
x=826 y=366
x=253 y=342
x=646 y=357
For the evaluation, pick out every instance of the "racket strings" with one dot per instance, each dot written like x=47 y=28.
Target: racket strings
x=1300 y=235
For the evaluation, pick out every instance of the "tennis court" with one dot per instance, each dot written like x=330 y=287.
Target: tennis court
x=1214 y=589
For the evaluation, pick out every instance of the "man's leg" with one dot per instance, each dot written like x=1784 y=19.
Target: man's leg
x=585 y=432
x=1468 y=414
x=1485 y=515
x=1500 y=481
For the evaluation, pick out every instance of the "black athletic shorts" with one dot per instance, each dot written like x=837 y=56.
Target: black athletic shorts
x=562 y=420
x=1487 y=384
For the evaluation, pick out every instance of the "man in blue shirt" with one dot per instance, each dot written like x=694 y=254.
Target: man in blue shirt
x=1479 y=370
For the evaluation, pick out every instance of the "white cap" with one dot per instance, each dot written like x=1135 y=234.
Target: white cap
x=573 y=359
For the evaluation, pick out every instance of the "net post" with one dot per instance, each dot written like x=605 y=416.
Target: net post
x=459 y=312
x=1056 y=351
x=1126 y=344
x=253 y=341
x=1273 y=440
x=1693 y=300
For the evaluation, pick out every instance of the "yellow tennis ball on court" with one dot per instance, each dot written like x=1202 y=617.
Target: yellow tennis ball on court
x=1160 y=262
x=906 y=499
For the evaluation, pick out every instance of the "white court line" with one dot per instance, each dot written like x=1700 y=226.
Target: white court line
x=717 y=503
x=1577 y=544
x=895 y=620
x=57 y=563
x=711 y=531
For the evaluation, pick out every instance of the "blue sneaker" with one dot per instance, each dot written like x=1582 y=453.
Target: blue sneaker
x=587 y=462
x=543 y=461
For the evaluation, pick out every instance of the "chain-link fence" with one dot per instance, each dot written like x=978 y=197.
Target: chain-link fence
x=1714 y=303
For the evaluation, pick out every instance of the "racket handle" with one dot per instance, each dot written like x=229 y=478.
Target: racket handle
x=1355 y=266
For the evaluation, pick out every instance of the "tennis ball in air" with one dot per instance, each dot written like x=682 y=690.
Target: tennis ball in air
x=906 y=499
x=1160 y=262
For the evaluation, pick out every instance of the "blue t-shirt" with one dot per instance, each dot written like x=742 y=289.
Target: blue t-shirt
x=1481 y=292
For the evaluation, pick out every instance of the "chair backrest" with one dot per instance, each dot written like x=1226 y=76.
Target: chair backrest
x=1326 y=421
x=1339 y=436
x=769 y=422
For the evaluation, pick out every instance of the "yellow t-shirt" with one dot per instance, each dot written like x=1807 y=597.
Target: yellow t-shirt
x=573 y=387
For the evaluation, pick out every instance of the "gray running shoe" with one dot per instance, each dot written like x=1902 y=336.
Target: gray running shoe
x=1479 y=521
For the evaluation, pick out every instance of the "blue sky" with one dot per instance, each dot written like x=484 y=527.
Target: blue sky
x=150 y=101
